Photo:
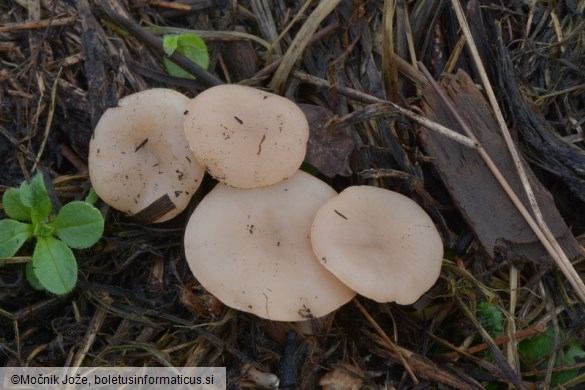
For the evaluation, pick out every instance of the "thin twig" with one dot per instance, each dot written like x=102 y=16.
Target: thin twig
x=37 y=25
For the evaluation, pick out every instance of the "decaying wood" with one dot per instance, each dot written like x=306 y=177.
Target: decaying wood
x=101 y=89
x=502 y=231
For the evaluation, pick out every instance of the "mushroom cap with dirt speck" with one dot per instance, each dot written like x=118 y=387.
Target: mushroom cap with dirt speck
x=251 y=249
x=139 y=153
x=246 y=137
x=379 y=243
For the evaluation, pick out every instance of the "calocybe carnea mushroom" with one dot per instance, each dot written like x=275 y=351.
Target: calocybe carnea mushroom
x=246 y=137
x=251 y=249
x=379 y=243
x=139 y=153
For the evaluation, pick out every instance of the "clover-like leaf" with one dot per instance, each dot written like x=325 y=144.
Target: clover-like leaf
x=54 y=265
x=13 y=206
x=12 y=235
x=189 y=45
x=35 y=197
x=79 y=224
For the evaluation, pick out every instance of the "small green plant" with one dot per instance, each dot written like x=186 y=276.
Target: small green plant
x=189 y=45
x=535 y=352
x=491 y=317
x=78 y=225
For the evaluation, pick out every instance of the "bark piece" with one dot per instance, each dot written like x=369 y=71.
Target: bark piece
x=498 y=225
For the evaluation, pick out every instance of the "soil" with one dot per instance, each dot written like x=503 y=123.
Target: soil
x=136 y=303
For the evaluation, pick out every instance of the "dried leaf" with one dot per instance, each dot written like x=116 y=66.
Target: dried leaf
x=327 y=151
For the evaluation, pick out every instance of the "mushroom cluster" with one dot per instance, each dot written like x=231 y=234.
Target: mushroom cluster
x=279 y=243
x=269 y=239
x=251 y=249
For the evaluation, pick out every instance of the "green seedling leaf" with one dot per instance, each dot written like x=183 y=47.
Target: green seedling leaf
x=537 y=348
x=92 y=197
x=35 y=197
x=32 y=278
x=12 y=235
x=79 y=224
x=54 y=265
x=536 y=351
x=13 y=206
x=491 y=317
x=189 y=45
x=43 y=230
x=171 y=43
x=575 y=354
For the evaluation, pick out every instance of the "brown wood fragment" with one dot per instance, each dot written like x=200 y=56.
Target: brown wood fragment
x=240 y=57
x=155 y=210
x=500 y=228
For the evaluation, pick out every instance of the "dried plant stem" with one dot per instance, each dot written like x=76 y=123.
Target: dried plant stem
x=49 y=122
x=499 y=358
x=92 y=331
x=512 y=345
x=540 y=227
x=521 y=334
x=393 y=347
x=295 y=19
x=389 y=70
x=37 y=24
x=209 y=35
x=300 y=41
x=364 y=97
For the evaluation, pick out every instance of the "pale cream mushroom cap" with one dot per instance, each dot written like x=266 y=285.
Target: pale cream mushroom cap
x=246 y=137
x=380 y=243
x=251 y=249
x=139 y=153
